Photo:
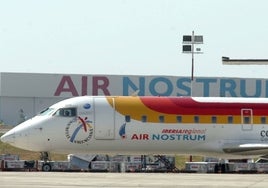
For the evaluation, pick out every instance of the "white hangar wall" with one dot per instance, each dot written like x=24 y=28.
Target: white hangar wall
x=13 y=108
x=28 y=93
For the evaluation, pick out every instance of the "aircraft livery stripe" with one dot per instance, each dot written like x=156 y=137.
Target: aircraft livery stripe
x=189 y=109
x=189 y=106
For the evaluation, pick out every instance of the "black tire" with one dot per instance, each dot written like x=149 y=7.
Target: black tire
x=46 y=167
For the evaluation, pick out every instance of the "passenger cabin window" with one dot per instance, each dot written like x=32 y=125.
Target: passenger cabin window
x=179 y=119
x=263 y=120
x=127 y=118
x=161 y=119
x=66 y=112
x=230 y=119
x=144 y=118
x=196 y=119
x=213 y=119
x=246 y=120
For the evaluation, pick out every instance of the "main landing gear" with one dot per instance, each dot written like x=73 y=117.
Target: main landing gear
x=46 y=167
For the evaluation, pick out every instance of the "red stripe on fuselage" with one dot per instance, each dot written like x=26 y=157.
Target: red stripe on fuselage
x=188 y=106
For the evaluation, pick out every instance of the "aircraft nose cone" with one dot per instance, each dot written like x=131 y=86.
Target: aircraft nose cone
x=8 y=137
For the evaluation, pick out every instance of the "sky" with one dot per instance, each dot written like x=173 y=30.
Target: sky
x=132 y=37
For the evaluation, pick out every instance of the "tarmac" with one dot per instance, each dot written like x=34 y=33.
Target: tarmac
x=113 y=180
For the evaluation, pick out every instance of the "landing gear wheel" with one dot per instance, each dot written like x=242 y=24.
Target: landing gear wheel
x=46 y=167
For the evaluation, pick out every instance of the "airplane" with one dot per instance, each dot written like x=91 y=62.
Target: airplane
x=222 y=127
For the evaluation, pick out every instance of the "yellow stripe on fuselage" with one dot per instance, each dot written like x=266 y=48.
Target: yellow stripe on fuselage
x=133 y=107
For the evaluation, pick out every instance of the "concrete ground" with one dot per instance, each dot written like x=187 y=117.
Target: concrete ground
x=151 y=180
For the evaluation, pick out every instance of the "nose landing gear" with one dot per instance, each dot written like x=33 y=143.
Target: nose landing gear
x=45 y=156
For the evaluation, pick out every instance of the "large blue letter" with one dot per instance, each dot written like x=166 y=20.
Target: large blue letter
x=243 y=89
x=166 y=81
x=206 y=82
x=227 y=85
x=266 y=88
x=128 y=83
x=186 y=89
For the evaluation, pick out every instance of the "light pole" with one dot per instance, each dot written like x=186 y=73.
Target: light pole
x=188 y=46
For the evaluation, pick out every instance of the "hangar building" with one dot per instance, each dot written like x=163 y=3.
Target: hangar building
x=22 y=95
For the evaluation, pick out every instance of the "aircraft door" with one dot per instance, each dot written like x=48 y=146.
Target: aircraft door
x=246 y=119
x=104 y=118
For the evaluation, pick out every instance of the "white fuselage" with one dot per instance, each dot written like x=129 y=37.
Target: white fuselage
x=98 y=126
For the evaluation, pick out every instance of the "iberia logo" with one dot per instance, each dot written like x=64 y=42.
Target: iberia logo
x=79 y=130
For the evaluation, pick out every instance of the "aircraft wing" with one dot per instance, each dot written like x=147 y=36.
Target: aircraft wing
x=246 y=149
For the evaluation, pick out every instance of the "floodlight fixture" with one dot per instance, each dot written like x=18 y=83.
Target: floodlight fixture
x=189 y=42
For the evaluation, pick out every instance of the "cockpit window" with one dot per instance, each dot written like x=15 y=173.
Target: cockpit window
x=66 y=112
x=47 y=111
